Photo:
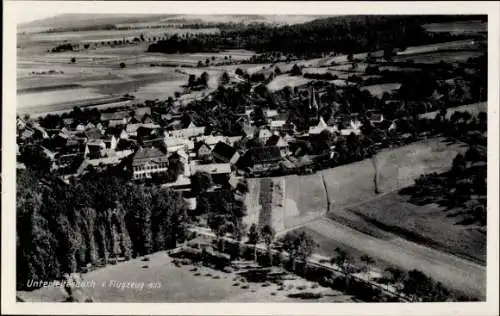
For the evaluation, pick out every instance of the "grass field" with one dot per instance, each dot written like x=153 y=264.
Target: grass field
x=379 y=89
x=454 y=45
x=457 y=27
x=427 y=224
x=185 y=284
x=285 y=80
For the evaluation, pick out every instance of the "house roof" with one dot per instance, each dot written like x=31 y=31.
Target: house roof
x=276 y=140
x=200 y=144
x=277 y=123
x=93 y=133
x=114 y=115
x=266 y=154
x=132 y=128
x=149 y=154
x=213 y=168
x=223 y=150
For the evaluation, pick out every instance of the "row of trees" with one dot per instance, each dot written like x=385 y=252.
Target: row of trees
x=62 y=229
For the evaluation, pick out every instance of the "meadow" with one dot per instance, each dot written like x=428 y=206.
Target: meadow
x=458 y=27
x=189 y=283
x=379 y=89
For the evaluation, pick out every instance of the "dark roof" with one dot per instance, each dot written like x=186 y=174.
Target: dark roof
x=258 y=155
x=224 y=151
x=93 y=133
x=149 y=154
x=199 y=144
x=273 y=140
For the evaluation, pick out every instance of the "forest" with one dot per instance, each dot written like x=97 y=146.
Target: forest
x=101 y=219
x=348 y=35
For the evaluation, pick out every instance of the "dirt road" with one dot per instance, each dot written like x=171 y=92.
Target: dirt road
x=452 y=271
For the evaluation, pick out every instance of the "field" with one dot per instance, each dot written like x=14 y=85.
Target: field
x=473 y=109
x=458 y=27
x=436 y=57
x=183 y=284
x=379 y=89
x=387 y=249
x=455 y=45
x=280 y=82
x=393 y=231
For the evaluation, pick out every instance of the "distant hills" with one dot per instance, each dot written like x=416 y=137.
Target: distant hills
x=75 y=20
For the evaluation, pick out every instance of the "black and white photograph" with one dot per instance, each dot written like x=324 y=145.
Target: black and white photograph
x=177 y=157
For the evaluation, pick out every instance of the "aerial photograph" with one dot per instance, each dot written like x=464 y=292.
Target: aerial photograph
x=168 y=158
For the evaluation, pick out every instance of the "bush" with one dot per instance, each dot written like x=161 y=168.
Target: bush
x=208 y=274
x=314 y=286
x=244 y=287
x=197 y=274
x=236 y=284
x=145 y=259
x=122 y=65
x=145 y=267
x=273 y=293
x=216 y=277
x=301 y=287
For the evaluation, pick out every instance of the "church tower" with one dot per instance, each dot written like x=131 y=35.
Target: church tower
x=313 y=108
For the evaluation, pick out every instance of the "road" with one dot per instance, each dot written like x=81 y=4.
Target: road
x=454 y=272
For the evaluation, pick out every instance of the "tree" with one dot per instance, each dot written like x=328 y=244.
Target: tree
x=191 y=80
x=200 y=64
x=277 y=71
x=299 y=246
x=73 y=60
x=201 y=182
x=239 y=72
x=350 y=57
x=395 y=276
x=296 y=71
x=122 y=65
x=204 y=79
x=207 y=62
x=418 y=285
x=268 y=233
x=367 y=261
x=254 y=238
x=224 y=79
x=388 y=53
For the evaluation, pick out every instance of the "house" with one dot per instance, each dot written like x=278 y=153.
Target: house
x=173 y=144
x=80 y=127
x=211 y=140
x=93 y=133
x=123 y=134
x=149 y=129
x=277 y=125
x=27 y=134
x=89 y=125
x=147 y=119
x=315 y=130
x=263 y=158
x=270 y=114
x=225 y=153
x=376 y=118
x=279 y=142
x=148 y=162
x=220 y=172
x=203 y=151
x=131 y=129
x=68 y=121
x=111 y=142
x=264 y=134
x=189 y=132
x=142 y=113
x=20 y=123
x=115 y=118
x=95 y=149
x=40 y=132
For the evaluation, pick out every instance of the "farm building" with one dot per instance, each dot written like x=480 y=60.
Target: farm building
x=225 y=153
x=115 y=118
x=95 y=149
x=265 y=158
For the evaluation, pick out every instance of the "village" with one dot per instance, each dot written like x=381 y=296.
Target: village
x=146 y=144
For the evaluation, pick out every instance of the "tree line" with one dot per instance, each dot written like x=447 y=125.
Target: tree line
x=64 y=228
